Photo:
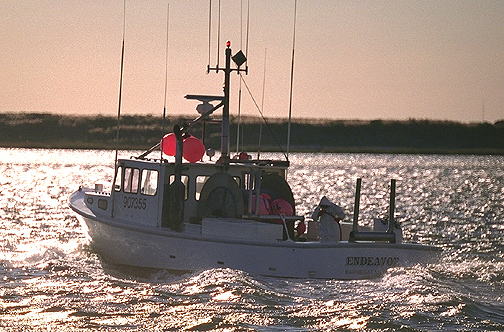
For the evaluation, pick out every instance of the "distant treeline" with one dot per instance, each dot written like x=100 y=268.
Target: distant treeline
x=142 y=132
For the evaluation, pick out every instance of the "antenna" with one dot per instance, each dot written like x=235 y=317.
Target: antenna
x=119 y=109
x=262 y=104
x=248 y=25
x=209 y=32
x=166 y=78
x=120 y=84
x=291 y=80
x=218 y=35
x=483 y=110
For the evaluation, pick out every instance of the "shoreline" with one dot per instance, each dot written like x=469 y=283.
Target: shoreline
x=251 y=150
x=39 y=130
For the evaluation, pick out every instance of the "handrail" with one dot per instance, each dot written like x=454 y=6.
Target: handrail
x=272 y=217
x=389 y=235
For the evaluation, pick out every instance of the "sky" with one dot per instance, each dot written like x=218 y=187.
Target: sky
x=353 y=59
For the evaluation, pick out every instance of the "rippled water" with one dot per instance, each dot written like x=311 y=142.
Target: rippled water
x=52 y=280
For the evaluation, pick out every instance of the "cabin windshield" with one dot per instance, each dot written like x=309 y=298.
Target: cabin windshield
x=131 y=178
x=149 y=182
x=118 y=179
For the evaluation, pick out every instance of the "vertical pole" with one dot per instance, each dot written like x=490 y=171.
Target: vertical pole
x=225 y=110
x=176 y=191
x=392 y=206
x=355 y=227
x=251 y=191
x=257 y=189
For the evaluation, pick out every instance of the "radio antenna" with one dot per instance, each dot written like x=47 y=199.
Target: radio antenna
x=166 y=78
x=119 y=108
x=209 y=33
x=120 y=84
x=262 y=104
x=218 y=34
x=291 y=80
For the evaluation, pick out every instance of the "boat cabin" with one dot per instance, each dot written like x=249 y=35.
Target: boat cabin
x=145 y=192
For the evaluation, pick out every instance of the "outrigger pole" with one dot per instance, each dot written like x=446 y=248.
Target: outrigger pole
x=119 y=106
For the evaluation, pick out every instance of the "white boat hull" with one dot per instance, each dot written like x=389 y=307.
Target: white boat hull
x=178 y=251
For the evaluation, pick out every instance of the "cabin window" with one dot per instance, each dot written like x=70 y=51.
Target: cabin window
x=131 y=179
x=149 y=182
x=238 y=180
x=118 y=179
x=185 y=181
x=200 y=181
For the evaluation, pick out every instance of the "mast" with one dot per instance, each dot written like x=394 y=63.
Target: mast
x=225 y=109
x=239 y=59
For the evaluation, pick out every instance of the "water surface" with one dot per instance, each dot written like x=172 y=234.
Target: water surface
x=52 y=280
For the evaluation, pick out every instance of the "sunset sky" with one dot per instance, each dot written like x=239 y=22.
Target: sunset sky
x=436 y=59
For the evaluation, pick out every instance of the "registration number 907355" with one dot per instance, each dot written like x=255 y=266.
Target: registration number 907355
x=135 y=203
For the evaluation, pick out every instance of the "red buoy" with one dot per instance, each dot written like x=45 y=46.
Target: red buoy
x=194 y=149
x=169 y=144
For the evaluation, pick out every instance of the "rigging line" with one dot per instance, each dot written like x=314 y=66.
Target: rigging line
x=239 y=120
x=262 y=104
x=291 y=80
x=262 y=116
x=166 y=78
x=239 y=89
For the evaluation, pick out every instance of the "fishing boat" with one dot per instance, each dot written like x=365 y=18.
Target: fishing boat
x=183 y=214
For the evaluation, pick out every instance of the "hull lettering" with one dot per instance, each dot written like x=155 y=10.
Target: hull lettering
x=388 y=261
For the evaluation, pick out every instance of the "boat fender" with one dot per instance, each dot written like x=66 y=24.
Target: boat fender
x=329 y=215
